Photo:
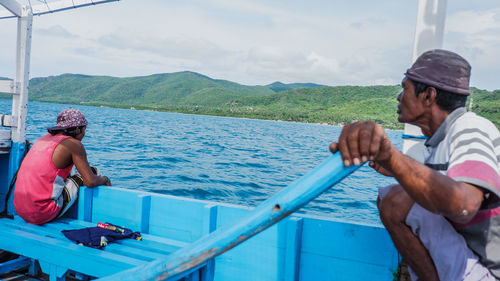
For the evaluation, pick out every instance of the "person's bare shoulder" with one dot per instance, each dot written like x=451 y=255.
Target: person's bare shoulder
x=67 y=152
x=72 y=145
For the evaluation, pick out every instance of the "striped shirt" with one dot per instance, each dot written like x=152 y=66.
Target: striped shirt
x=466 y=148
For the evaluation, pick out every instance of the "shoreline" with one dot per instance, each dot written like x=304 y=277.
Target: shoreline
x=144 y=108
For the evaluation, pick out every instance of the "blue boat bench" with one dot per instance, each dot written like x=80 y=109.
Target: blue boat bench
x=300 y=247
x=45 y=248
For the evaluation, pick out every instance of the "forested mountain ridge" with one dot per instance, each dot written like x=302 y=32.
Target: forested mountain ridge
x=191 y=92
x=158 y=90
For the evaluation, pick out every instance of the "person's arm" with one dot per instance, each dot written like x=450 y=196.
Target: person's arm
x=79 y=157
x=363 y=141
x=434 y=191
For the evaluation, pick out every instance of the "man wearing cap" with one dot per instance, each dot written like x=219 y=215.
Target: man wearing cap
x=44 y=190
x=443 y=215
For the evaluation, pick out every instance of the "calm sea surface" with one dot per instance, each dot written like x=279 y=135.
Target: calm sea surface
x=231 y=160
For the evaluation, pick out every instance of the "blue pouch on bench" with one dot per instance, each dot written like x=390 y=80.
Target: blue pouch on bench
x=98 y=238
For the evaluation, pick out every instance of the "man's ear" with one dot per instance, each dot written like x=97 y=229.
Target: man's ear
x=429 y=95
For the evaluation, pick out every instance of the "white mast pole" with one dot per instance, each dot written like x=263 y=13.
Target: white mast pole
x=20 y=98
x=19 y=86
x=429 y=30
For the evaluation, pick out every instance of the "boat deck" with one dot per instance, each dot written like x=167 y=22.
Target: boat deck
x=57 y=255
x=298 y=248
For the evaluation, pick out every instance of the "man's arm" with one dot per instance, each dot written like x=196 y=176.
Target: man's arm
x=362 y=141
x=434 y=191
x=79 y=157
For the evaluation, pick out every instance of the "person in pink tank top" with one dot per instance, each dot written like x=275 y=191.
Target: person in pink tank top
x=44 y=188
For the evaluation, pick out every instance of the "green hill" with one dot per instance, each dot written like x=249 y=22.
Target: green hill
x=323 y=104
x=190 y=92
x=487 y=104
x=154 y=91
x=280 y=87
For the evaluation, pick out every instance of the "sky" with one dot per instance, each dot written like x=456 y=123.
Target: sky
x=254 y=42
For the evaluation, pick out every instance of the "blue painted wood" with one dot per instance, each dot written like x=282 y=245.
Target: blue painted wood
x=81 y=277
x=143 y=215
x=293 y=247
x=230 y=215
x=209 y=218
x=256 y=259
x=4 y=181
x=56 y=273
x=120 y=208
x=63 y=253
x=15 y=264
x=45 y=240
x=85 y=197
x=207 y=273
x=267 y=256
x=16 y=156
x=34 y=269
x=181 y=220
x=57 y=254
x=267 y=214
x=146 y=250
x=152 y=243
x=333 y=250
x=9 y=164
x=262 y=257
x=193 y=274
x=209 y=225
x=348 y=240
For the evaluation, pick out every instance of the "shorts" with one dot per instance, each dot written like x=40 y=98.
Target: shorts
x=453 y=259
x=70 y=191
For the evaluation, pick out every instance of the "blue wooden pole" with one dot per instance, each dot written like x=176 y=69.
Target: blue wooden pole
x=263 y=216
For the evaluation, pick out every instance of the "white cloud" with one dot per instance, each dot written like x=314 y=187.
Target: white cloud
x=360 y=42
x=55 y=31
x=270 y=63
x=474 y=22
x=474 y=35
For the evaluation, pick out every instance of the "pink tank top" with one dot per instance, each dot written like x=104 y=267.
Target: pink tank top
x=39 y=184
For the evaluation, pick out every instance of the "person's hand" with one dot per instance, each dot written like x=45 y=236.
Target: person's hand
x=108 y=182
x=381 y=170
x=363 y=141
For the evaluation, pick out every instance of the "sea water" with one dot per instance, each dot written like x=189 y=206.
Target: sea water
x=231 y=160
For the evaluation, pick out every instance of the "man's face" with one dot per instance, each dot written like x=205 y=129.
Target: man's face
x=409 y=107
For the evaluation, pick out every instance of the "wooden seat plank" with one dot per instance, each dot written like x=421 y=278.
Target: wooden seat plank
x=66 y=254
